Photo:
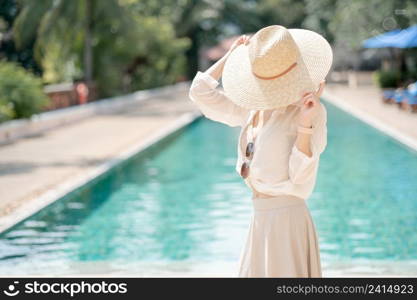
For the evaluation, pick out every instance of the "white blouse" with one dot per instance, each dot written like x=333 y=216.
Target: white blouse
x=278 y=166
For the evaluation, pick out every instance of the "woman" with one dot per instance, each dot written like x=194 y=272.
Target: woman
x=272 y=86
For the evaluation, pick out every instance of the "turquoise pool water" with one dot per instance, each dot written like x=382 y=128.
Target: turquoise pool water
x=167 y=205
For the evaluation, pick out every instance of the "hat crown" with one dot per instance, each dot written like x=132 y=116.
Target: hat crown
x=272 y=51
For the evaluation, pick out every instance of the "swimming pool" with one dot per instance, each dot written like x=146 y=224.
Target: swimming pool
x=167 y=211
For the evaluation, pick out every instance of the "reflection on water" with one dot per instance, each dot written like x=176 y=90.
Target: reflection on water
x=181 y=202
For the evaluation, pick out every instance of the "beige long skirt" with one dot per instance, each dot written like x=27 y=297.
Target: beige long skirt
x=281 y=241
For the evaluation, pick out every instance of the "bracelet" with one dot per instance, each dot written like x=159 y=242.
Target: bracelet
x=306 y=130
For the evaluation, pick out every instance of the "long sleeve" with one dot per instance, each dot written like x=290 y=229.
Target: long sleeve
x=213 y=103
x=303 y=168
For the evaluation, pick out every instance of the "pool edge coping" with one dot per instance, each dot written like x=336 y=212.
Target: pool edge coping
x=369 y=119
x=37 y=203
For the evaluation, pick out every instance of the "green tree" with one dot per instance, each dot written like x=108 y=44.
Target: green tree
x=8 y=50
x=190 y=20
x=108 y=41
x=48 y=21
x=21 y=93
x=319 y=14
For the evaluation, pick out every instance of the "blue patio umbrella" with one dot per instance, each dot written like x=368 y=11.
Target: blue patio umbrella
x=398 y=38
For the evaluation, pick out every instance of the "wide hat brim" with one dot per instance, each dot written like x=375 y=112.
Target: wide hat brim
x=245 y=89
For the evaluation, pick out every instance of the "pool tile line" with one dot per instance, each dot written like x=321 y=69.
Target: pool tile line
x=66 y=187
x=385 y=128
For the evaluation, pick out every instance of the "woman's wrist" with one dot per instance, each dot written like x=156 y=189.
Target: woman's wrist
x=305 y=127
x=305 y=124
x=305 y=130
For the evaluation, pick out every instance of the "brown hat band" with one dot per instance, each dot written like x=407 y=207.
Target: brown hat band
x=279 y=75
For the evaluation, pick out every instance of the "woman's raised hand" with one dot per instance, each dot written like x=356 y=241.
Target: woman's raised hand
x=311 y=106
x=217 y=68
x=243 y=39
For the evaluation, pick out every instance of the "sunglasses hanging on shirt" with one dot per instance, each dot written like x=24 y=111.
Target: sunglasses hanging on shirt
x=250 y=147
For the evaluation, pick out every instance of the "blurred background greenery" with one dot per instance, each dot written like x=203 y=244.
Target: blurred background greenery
x=120 y=46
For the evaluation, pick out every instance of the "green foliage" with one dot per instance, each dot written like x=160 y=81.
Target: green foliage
x=131 y=50
x=348 y=23
x=8 y=51
x=147 y=55
x=21 y=93
x=289 y=13
x=319 y=14
x=394 y=78
x=387 y=79
x=411 y=76
x=161 y=59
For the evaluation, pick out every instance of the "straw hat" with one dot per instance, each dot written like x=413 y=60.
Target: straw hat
x=276 y=67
